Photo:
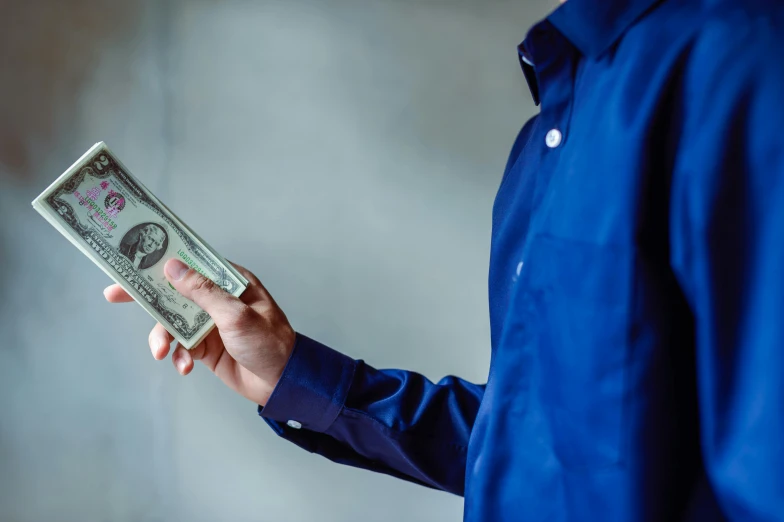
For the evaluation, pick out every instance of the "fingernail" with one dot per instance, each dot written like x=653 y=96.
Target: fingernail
x=176 y=269
x=181 y=365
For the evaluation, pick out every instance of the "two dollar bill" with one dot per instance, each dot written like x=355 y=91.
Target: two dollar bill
x=124 y=229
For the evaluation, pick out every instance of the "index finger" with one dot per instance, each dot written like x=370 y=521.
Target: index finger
x=256 y=290
x=116 y=294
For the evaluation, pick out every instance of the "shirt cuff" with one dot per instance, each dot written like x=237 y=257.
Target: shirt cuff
x=313 y=388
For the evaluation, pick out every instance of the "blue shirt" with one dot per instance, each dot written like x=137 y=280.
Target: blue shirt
x=636 y=290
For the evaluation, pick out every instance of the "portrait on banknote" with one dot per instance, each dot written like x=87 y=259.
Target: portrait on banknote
x=144 y=245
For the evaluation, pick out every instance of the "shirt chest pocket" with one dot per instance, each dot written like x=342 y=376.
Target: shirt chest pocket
x=576 y=299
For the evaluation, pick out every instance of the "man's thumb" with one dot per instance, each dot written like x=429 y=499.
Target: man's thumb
x=201 y=290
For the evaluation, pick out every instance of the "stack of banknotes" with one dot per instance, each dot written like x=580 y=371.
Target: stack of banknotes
x=130 y=234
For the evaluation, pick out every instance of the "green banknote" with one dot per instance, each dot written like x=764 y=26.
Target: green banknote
x=124 y=229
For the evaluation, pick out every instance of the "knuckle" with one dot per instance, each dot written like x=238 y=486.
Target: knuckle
x=202 y=284
x=265 y=308
x=244 y=317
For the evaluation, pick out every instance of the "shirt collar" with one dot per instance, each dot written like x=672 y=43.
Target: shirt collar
x=594 y=25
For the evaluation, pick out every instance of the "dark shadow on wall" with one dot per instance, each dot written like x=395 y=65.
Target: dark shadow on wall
x=48 y=49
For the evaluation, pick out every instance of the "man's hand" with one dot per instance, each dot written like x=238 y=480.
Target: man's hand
x=252 y=340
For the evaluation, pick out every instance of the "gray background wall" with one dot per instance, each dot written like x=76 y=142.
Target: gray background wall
x=347 y=151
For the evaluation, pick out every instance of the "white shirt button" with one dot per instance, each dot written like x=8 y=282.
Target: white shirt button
x=553 y=138
x=294 y=424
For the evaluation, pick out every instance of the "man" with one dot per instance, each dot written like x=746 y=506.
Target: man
x=143 y=247
x=636 y=292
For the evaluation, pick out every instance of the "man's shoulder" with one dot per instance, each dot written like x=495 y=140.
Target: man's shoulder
x=673 y=23
x=734 y=8
x=702 y=40
x=728 y=68
x=732 y=25
x=735 y=39
x=740 y=21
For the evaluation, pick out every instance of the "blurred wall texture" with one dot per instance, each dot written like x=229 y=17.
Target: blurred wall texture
x=346 y=151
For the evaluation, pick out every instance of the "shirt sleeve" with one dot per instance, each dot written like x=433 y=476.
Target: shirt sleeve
x=389 y=421
x=727 y=250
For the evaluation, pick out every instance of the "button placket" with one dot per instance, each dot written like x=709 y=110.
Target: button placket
x=555 y=59
x=550 y=57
